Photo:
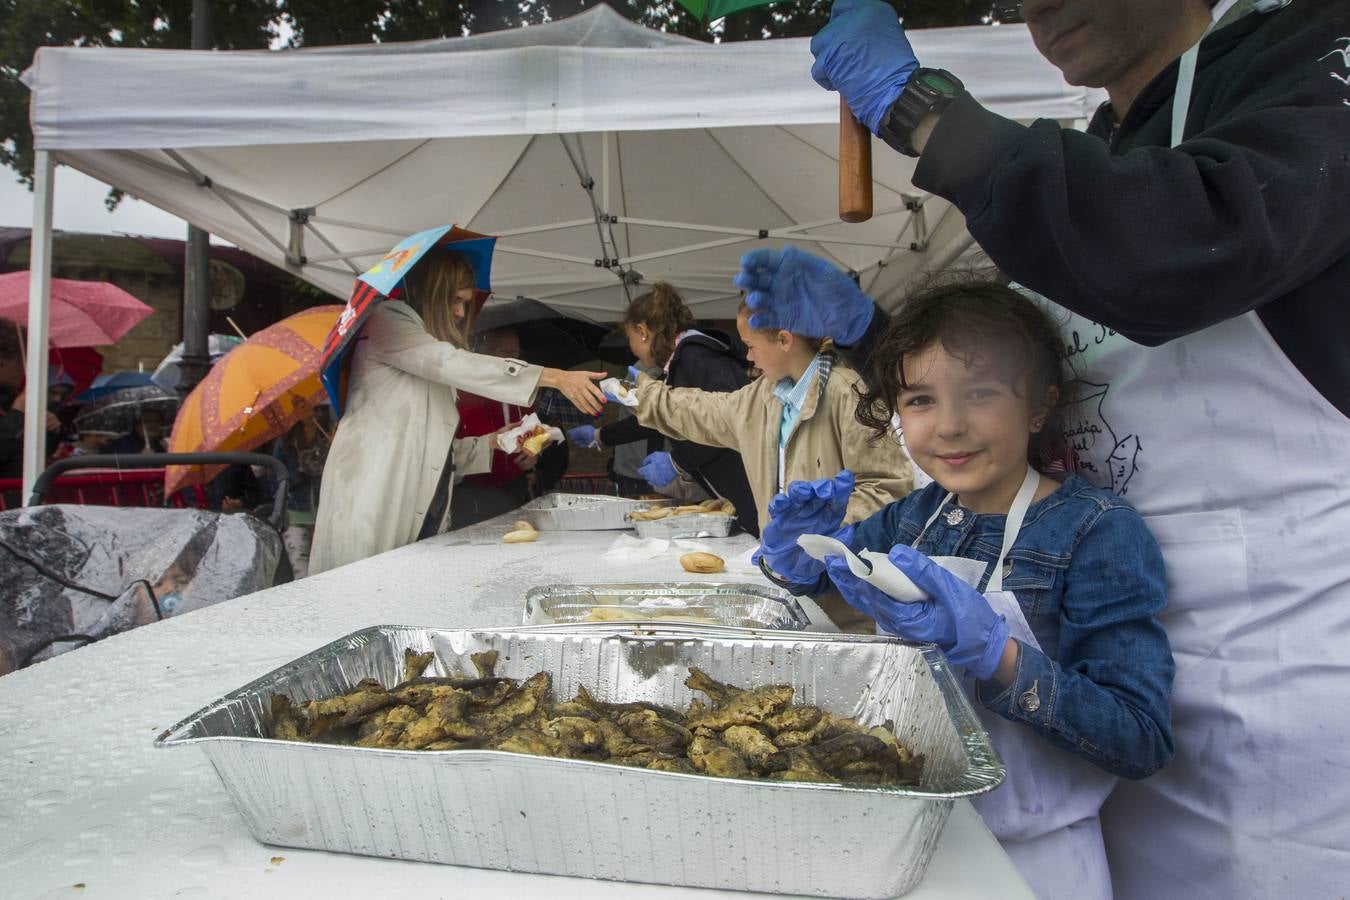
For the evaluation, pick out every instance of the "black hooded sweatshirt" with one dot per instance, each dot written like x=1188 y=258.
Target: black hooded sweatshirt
x=707 y=362
x=1252 y=212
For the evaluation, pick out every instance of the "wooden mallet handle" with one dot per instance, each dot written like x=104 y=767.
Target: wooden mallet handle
x=855 y=167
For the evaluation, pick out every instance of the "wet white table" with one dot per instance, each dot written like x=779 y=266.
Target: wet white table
x=88 y=808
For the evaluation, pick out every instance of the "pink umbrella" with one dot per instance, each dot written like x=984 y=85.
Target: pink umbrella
x=83 y=313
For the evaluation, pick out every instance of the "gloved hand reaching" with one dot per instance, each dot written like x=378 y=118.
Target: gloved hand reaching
x=803 y=294
x=807 y=507
x=658 y=469
x=955 y=616
x=864 y=55
x=584 y=436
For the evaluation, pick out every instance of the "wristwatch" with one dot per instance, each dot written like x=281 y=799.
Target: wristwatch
x=928 y=90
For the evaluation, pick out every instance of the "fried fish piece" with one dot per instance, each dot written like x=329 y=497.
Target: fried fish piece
x=524 y=740
x=702 y=682
x=414 y=664
x=837 y=753
x=485 y=663
x=484 y=691
x=802 y=766
x=572 y=708
x=443 y=720
x=747 y=708
x=585 y=698
x=911 y=763
x=386 y=727
x=646 y=726
x=516 y=707
x=794 y=718
x=756 y=748
x=584 y=736
x=826 y=727
x=351 y=707
x=712 y=757
x=286 y=724
x=672 y=764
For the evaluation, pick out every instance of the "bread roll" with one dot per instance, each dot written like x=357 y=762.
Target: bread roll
x=702 y=563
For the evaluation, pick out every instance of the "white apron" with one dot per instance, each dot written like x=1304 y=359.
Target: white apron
x=1242 y=472
x=1045 y=812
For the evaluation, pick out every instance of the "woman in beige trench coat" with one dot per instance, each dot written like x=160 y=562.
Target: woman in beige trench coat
x=386 y=470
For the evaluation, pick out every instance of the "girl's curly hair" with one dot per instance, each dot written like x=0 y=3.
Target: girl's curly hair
x=984 y=324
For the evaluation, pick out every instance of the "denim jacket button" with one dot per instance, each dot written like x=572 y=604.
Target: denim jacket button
x=1029 y=700
x=956 y=516
x=1007 y=568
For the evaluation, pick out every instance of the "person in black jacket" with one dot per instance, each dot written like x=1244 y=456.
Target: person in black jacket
x=1196 y=243
x=662 y=336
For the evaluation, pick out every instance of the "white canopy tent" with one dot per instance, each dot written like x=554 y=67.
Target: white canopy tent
x=605 y=155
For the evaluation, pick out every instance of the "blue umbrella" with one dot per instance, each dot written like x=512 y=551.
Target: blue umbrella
x=383 y=279
x=106 y=384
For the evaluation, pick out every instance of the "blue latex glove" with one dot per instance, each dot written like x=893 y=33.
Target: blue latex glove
x=956 y=617
x=864 y=55
x=658 y=469
x=807 y=507
x=633 y=373
x=583 y=436
x=803 y=294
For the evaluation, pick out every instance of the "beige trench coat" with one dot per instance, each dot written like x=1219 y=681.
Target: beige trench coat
x=826 y=439
x=396 y=433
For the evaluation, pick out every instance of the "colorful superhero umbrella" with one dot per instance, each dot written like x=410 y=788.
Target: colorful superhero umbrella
x=384 y=280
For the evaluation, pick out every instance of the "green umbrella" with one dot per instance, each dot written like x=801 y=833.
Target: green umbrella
x=711 y=10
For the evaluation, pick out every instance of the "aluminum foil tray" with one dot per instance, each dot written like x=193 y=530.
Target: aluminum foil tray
x=690 y=525
x=597 y=820
x=735 y=605
x=583 y=512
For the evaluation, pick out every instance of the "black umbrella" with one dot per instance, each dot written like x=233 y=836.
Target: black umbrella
x=120 y=411
x=548 y=337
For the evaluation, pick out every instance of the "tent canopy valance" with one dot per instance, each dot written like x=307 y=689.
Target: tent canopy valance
x=604 y=154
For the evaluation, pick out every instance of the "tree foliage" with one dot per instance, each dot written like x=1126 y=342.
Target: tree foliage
x=26 y=25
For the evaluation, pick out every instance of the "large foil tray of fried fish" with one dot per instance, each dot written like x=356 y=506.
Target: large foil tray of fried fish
x=734 y=604
x=698 y=756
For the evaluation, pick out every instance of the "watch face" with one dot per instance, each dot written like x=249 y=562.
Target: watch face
x=939 y=82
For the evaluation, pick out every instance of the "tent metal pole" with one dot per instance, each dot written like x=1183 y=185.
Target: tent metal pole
x=196 y=360
x=544 y=254
x=39 y=313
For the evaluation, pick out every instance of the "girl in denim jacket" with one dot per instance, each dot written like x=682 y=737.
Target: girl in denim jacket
x=1066 y=662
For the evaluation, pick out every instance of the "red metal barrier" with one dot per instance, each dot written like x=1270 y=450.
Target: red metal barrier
x=107 y=487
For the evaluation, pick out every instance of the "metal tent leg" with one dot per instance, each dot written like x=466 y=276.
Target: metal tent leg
x=39 y=309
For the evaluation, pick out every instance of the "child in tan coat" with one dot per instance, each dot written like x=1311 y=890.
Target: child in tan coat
x=793 y=423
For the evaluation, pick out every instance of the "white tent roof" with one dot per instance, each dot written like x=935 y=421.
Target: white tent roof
x=319 y=160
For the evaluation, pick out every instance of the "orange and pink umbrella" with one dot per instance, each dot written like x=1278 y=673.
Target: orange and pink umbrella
x=255 y=394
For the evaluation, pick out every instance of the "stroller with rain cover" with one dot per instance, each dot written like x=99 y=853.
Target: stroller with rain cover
x=75 y=574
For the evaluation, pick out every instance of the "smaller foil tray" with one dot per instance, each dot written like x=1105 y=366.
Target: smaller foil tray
x=583 y=512
x=734 y=605
x=690 y=525
x=523 y=813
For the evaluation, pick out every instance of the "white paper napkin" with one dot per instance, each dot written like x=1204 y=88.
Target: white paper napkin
x=876 y=568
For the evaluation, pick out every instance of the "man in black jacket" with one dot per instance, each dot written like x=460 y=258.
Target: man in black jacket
x=1197 y=241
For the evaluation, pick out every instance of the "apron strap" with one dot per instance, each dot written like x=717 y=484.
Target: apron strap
x=1017 y=513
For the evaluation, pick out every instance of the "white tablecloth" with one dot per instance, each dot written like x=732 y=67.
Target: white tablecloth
x=88 y=808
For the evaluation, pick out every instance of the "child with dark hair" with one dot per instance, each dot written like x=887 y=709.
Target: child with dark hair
x=661 y=334
x=1066 y=660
